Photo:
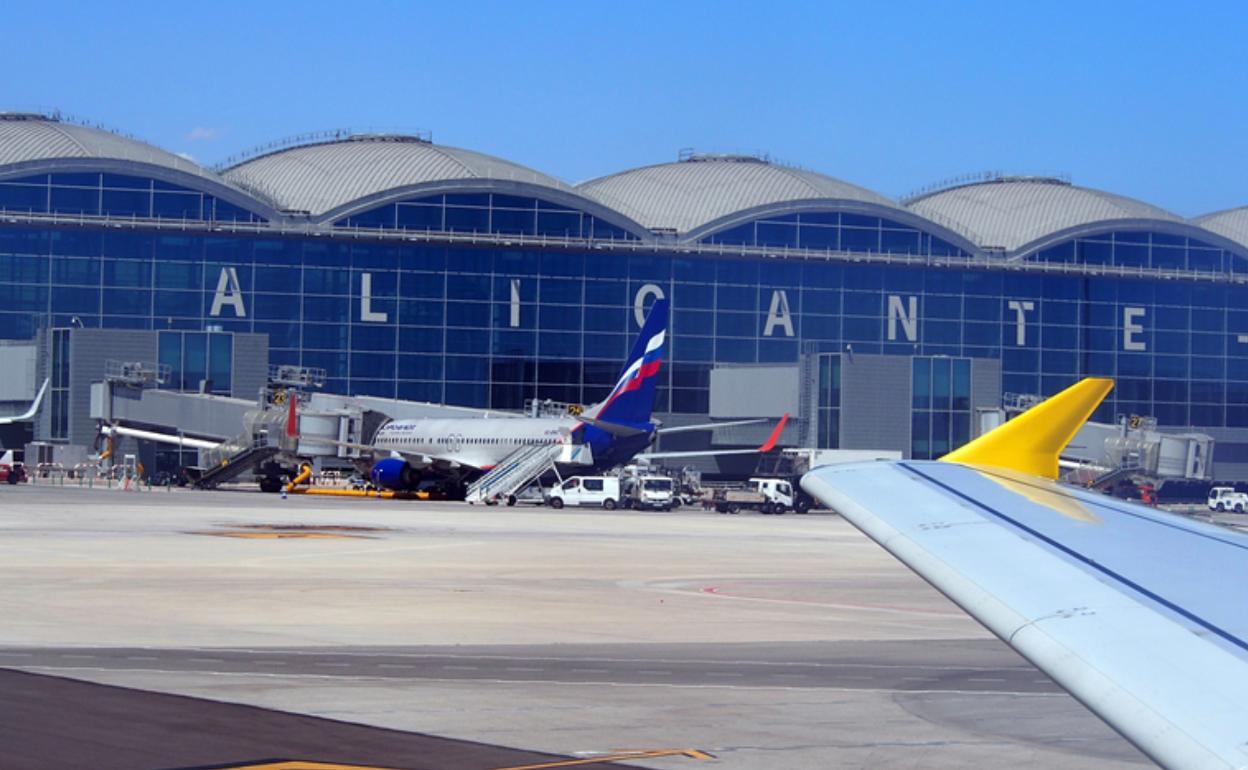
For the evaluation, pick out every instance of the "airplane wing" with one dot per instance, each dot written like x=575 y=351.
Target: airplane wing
x=711 y=426
x=30 y=413
x=1137 y=613
x=766 y=446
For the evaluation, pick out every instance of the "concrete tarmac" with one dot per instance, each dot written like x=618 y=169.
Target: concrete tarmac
x=786 y=642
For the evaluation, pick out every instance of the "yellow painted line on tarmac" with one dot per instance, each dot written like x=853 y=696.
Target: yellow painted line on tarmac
x=302 y=765
x=623 y=755
x=284 y=535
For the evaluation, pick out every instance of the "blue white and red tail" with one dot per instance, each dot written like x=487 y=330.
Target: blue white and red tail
x=632 y=399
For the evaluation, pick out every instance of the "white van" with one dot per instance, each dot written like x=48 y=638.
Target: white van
x=601 y=491
x=1227 y=499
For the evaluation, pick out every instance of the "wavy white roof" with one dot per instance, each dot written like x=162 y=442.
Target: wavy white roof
x=319 y=178
x=35 y=138
x=1231 y=224
x=689 y=194
x=1012 y=212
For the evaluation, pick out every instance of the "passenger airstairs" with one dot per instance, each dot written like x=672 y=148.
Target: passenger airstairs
x=262 y=441
x=522 y=467
x=236 y=465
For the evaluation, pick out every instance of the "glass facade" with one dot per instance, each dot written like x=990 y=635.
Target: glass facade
x=836 y=231
x=1141 y=248
x=491 y=323
x=115 y=195
x=490 y=326
x=198 y=358
x=487 y=213
x=828 y=427
x=940 y=416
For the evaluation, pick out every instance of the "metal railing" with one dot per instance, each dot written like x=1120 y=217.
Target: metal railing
x=138 y=373
x=678 y=248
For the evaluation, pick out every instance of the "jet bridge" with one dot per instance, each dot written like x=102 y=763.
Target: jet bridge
x=235 y=436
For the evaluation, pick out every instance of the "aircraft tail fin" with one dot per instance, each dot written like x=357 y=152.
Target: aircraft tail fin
x=1032 y=441
x=632 y=398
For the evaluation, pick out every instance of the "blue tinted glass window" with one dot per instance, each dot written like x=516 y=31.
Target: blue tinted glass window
x=171 y=205
x=481 y=200
x=513 y=222
x=129 y=203
x=128 y=302
x=73 y=200
x=776 y=234
x=601 y=229
x=420 y=339
x=220 y=361
x=15 y=197
x=900 y=241
x=194 y=359
x=468 y=314
x=463 y=219
x=858 y=239
x=170 y=354
x=412 y=217
x=559 y=224
x=921 y=386
x=382 y=216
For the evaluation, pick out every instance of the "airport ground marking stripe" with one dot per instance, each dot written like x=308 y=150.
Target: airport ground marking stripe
x=620 y=756
x=1054 y=692
x=299 y=764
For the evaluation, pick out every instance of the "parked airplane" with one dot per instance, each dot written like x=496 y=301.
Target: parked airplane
x=611 y=433
x=30 y=413
x=1133 y=611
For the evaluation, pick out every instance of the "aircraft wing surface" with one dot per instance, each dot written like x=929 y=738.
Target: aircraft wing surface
x=1139 y=614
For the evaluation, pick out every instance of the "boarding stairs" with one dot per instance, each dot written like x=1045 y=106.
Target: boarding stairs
x=524 y=466
x=263 y=439
x=1112 y=477
x=230 y=468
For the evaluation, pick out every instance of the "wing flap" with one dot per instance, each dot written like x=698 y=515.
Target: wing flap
x=1117 y=603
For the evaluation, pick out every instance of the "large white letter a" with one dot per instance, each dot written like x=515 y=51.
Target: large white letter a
x=229 y=292
x=778 y=315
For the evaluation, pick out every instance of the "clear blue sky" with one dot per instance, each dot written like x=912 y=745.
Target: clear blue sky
x=1145 y=99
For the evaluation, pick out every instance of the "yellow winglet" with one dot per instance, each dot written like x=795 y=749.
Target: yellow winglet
x=1031 y=442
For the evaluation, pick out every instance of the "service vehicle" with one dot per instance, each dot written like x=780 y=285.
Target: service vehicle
x=597 y=491
x=766 y=495
x=649 y=493
x=12 y=474
x=1227 y=499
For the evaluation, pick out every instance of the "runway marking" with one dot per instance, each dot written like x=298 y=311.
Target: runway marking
x=619 y=756
x=559 y=683
x=302 y=765
x=284 y=535
x=401 y=665
x=592 y=659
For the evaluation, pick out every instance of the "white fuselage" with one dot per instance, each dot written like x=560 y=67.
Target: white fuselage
x=474 y=442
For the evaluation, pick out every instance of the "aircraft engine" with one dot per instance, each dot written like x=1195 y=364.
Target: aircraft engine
x=395 y=474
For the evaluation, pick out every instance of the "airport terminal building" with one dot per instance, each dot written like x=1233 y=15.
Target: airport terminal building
x=410 y=270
